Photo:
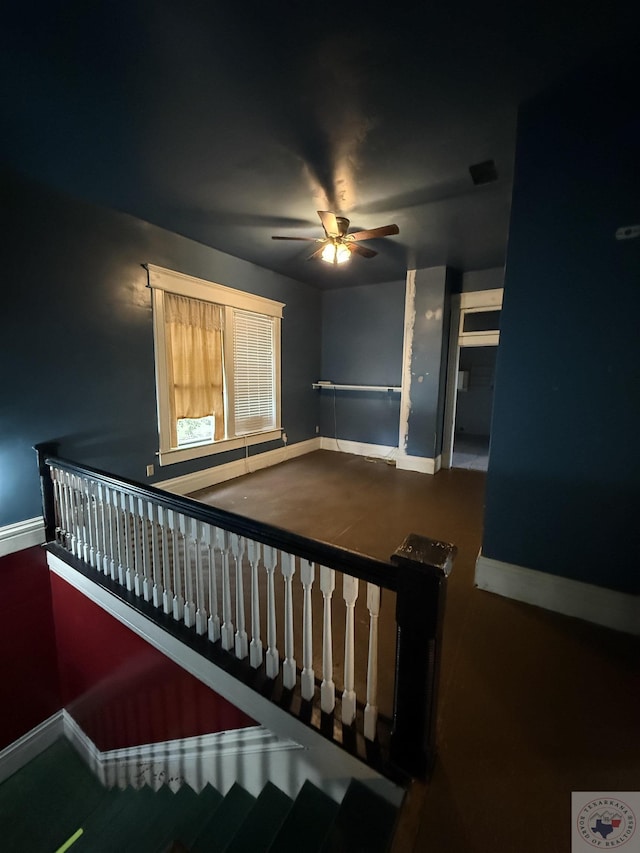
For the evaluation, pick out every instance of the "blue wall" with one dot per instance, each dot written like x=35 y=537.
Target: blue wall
x=564 y=477
x=77 y=340
x=362 y=333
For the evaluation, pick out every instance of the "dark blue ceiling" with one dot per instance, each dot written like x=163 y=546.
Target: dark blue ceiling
x=232 y=122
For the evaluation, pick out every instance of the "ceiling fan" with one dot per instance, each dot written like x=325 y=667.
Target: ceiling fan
x=337 y=245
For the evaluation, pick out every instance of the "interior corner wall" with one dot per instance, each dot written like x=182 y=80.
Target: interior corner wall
x=424 y=382
x=77 y=339
x=362 y=331
x=122 y=691
x=29 y=686
x=562 y=485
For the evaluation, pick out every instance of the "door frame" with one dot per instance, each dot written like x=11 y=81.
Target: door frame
x=461 y=305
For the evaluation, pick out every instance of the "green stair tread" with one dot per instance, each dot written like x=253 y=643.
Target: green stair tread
x=221 y=827
x=45 y=802
x=364 y=823
x=263 y=822
x=110 y=827
x=307 y=823
x=140 y=820
x=194 y=813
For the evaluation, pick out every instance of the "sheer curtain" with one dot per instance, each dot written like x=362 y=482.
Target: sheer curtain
x=194 y=361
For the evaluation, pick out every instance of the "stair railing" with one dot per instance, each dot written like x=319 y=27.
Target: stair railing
x=191 y=561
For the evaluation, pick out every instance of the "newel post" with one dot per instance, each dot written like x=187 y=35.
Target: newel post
x=423 y=567
x=44 y=450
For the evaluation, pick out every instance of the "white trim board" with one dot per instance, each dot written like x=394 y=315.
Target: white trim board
x=607 y=607
x=403 y=461
x=323 y=761
x=22 y=534
x=358 y=448
x=188 y=483
x=30 y=745
x=421 y=464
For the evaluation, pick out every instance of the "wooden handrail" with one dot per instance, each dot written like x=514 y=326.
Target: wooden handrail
x=341 y=559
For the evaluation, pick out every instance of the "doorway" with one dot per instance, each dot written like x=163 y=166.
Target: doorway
x=472 y=425
x=473 y=347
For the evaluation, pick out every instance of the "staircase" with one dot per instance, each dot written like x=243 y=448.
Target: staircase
x=56 y=804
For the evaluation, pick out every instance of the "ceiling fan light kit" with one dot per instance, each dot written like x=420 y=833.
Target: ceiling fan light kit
x=335 y=253
x=337 y=246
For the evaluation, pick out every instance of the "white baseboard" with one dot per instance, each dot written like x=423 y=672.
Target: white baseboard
x=189 y=483
x=422 y=464
x=358 y=448
x=22 y=534
x=324 y=763
x=608 y=607
x=403 y=461
x=30 y=745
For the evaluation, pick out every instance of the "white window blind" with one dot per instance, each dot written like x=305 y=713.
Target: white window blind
x=254 y=373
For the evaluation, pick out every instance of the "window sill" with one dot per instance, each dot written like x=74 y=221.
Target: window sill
x=183 y=454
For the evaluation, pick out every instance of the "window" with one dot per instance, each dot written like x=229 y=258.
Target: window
x=217 y=354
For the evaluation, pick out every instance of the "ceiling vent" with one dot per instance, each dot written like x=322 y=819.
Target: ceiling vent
x=483 y=173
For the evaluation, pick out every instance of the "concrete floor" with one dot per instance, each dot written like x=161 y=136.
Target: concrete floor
x=533 y=705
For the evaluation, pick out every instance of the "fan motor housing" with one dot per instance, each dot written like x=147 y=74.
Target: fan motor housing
x=343 y=225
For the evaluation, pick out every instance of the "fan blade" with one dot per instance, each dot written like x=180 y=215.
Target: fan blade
x=362 y=250
x=306 y=239
x=383 y=231
x=329 y=223
x=316 y=254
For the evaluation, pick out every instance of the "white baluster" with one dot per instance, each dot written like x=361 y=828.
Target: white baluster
x=288 y=567
x=98 y=492
x=145 y=531
x=371 y=708
x=83 y=497
x=106 y=525
x=214 y=617
x=255 y=647
x=73 y=514
x=128 y=549
x=61 y=532
x=154 y=527
x=79 y=516
x=350 y=594
x=53 y=473
x=272 y=660
x=201 y=610
x=95 y=524
x=89 y=548
x=226 y=631
x=190 y=546
x=241 y=640
x=65 y=509
x=179 y=555
x=165 y=519
x=138 y=571
x=328 y=687
x=307 y=679
x=71 y=526
x=119 y=552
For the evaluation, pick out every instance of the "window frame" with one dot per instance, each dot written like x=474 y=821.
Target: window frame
x=161 y=280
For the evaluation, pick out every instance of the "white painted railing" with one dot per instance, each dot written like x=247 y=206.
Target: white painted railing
x=249 y=588
x=177 y=562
